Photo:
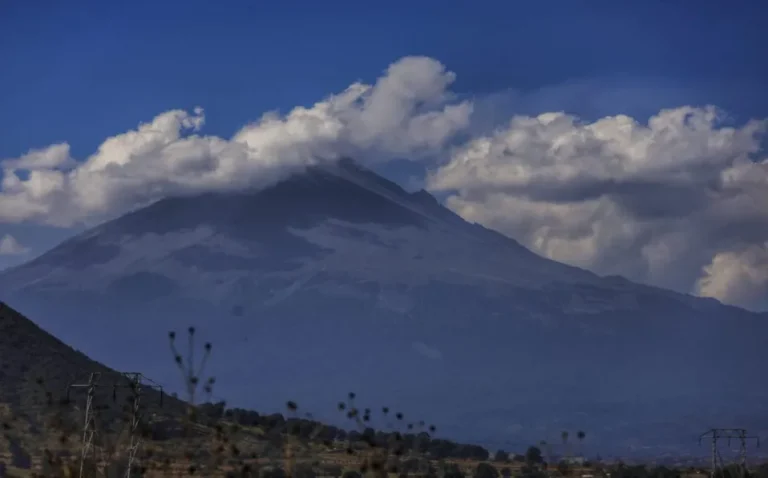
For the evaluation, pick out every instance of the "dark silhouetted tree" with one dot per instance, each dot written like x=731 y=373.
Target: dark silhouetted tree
x=485 y=470
x=501 y=456
x=533 y=456
x=452 y=470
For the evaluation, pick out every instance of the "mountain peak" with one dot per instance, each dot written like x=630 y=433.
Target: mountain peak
x=327 y=218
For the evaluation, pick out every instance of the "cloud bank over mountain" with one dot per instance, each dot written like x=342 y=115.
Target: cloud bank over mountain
x=679 y=201
x=406 y=113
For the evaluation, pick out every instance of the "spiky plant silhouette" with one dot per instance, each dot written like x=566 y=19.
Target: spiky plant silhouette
x=192 y=372
x=199 y=457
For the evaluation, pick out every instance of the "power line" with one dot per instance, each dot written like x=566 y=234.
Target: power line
x=717 y=434
x=135 y=382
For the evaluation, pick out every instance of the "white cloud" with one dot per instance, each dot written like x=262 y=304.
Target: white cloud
x=53 y=157
x=680 y=201
x=407 y=112
x=739 y=277
x=656 y=202
x=9 y=246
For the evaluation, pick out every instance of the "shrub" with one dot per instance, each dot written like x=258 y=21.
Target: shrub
x=485 y=470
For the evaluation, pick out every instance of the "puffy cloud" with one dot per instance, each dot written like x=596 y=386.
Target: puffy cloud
x=679 y=201
x=407 y=112
x=656 y=202
x=53 y=157
x=739 y=277
x=9 y=246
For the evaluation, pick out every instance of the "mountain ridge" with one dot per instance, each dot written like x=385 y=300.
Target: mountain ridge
x=347 y=169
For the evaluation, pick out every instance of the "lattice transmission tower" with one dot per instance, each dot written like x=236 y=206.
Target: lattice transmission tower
x=716 y=435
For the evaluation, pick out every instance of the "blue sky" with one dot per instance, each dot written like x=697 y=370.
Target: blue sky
x=80 y=72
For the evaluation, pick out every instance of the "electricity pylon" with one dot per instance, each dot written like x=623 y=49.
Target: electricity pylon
x=135 y=383
x=88 y=423
x=716 y=434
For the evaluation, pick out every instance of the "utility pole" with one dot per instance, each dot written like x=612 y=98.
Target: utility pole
x=740 y=434
x=135 y=382
x=88 y=423
x=133 y=447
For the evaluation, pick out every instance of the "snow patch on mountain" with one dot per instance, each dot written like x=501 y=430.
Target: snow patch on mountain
x=146 y=253
x=206 y=264
x=413 y=255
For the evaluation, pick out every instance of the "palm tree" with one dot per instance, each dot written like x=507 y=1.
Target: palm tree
x=564 y=437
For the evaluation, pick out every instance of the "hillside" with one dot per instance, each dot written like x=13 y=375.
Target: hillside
x=337 y=279
x=34 y=363
x=37 y=368
x=37 y=412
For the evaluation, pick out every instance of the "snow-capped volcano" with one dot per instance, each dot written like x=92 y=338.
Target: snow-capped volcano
x=337 y=279
x=319 y=222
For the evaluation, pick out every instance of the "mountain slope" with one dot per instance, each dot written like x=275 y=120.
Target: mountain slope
x=29 y=354
x=338 y=280
x=36 y=369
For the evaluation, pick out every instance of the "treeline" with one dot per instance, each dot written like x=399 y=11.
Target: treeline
x=415 y=438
